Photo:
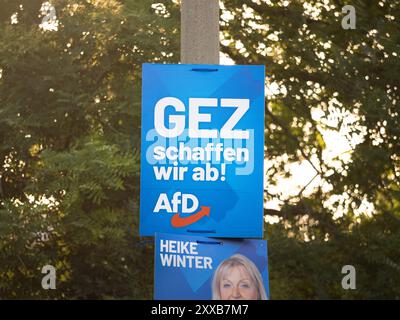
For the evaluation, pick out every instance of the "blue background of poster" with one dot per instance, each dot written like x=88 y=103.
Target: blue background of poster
x=236 y=203
x=195 y=284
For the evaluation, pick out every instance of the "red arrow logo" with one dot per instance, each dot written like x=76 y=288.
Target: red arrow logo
x=179 y=222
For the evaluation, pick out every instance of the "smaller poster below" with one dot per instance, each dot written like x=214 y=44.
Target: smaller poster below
x=200 y=268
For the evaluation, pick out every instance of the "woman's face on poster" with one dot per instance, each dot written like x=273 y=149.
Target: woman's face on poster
x=236 y=284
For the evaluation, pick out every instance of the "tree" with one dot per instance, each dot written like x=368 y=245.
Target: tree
x=349 y=77
x=69 y=133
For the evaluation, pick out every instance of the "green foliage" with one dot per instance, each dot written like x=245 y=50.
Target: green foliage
x=322 y=67
x=69 y=142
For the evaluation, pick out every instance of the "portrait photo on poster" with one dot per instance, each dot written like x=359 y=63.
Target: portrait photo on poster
x=237 y=278
x=200 y=268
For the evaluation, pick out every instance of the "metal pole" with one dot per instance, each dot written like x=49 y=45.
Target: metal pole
x=200 y=31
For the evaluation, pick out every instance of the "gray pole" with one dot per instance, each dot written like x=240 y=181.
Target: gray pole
x=200 y=31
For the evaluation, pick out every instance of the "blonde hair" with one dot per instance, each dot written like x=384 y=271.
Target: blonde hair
x=238 y=260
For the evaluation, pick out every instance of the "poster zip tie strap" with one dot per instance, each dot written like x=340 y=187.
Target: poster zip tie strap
x=210 y=242
x=205 y=69
x=201 y=231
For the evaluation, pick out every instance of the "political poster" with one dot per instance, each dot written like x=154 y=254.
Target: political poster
x=202 y=150
x=200 y=268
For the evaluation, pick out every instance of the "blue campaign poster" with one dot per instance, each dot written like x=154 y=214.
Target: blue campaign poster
x=202 y=150
x=199 y=268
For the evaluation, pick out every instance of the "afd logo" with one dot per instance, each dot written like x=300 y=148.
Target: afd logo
x=187 y=203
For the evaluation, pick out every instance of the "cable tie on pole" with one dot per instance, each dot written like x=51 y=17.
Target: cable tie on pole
x=205 y=69
x=210 y=242
x=201 y=231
